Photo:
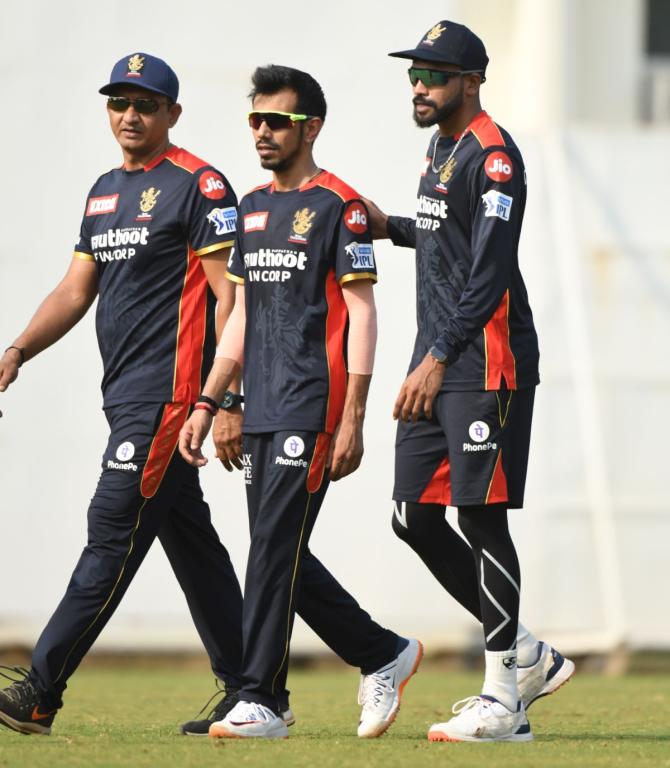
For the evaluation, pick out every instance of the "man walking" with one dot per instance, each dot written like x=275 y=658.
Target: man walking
x=304 y=265
x=466 y=406
x=154 y=240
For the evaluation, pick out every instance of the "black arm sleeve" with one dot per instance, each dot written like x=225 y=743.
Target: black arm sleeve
x=402 y=231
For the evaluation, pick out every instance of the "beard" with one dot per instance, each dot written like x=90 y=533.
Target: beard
x=440 y=114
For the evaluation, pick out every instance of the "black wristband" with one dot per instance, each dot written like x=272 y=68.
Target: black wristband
x=209 y=401
x=21 y=352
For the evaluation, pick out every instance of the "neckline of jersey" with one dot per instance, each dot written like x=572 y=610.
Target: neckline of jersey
x=313 y=182
x=169 y=152
x=476 y=120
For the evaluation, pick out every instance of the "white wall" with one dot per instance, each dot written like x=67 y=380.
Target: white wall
x=54 y=56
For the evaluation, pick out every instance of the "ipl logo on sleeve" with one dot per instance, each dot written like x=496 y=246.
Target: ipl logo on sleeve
x=361 y=255
x=224 y=219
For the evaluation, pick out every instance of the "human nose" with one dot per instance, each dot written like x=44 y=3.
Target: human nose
x=419 y=89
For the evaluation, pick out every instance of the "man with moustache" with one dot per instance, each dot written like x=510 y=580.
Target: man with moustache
x=466 y=406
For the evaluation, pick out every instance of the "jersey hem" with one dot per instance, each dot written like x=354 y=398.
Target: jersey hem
x=211 y=248
x=83 y=256
x=254 y=429
x=358 y=276
x=234 y=278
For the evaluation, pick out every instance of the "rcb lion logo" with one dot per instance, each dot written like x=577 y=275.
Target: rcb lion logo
x=135 y=62
x=302 y=222
x=148 y=199
x=447 y=170
x=435 y=32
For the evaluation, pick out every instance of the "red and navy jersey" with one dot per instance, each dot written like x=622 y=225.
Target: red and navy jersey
x=146 y=231
x=293 y=252
x=472 y=303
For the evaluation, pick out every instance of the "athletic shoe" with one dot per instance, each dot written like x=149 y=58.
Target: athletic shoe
x=230 y=698
x=546 y=676
x=380 y=692
x=483 y=718
x=21 y=705
x=249 y=720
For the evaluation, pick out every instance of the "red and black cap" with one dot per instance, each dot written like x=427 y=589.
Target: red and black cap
x=449 y=43
x=144 y=71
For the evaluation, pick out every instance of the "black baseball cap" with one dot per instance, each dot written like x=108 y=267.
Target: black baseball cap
x=449 y=43
x=144 y=71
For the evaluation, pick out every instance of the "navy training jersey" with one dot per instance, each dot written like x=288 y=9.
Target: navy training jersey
x=146 y=231
x=293 y=252
x=472 y=303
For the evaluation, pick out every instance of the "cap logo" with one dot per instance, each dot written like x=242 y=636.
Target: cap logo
x=434 y=33
x=135 y=64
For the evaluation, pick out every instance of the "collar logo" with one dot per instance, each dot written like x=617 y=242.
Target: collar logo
x=434 y=33
x=302 y=223
x=135 y=63
x=148 y=200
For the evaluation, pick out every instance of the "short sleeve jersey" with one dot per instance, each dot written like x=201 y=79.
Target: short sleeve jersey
x=472 y=303
x=293 y=252
x=146 y=230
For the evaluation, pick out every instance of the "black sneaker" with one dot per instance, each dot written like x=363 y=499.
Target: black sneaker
x=201 y=727
x=20 y=705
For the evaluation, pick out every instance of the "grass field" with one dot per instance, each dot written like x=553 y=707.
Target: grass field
x=123 y=717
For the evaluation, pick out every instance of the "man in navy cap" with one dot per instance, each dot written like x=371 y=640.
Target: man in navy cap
x=153 y=248
x=466 y=406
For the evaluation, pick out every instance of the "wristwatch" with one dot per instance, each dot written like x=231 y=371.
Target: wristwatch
x=230 y=400
x=438 y=354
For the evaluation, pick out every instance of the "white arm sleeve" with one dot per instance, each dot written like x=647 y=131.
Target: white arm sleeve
x=231 y=344
x=359 y=298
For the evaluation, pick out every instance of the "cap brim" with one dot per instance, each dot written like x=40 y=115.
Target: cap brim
x=424 y=54
x=109 y=89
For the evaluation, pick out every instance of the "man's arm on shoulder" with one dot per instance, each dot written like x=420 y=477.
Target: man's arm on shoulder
x=60 y=311
x=401 y=229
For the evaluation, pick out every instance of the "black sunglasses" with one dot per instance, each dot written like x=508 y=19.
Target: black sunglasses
x=143 y=106
x=432 y=77
x=275 y=121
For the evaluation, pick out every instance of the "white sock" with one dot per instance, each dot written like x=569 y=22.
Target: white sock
x=500 y=678
x=527 y=647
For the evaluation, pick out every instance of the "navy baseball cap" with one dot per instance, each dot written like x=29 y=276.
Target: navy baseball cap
x=449 y=43
x=144 y=71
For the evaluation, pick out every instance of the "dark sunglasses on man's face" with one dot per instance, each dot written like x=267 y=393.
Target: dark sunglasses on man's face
x=275 y=121
x=437 y=77
x=143 y=106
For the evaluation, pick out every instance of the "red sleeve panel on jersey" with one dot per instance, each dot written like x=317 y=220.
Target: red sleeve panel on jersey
x=486 y=131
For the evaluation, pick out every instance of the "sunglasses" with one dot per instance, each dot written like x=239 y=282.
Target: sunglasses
x=432 y=77
x=143 y=106
x=275 y=121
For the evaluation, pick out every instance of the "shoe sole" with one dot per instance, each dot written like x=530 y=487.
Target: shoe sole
x=221 y=732
x=441 y=736
x=27 y=729
x=563 y=676
x=394 y=712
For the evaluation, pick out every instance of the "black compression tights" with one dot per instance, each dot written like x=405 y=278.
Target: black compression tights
x=483 y=577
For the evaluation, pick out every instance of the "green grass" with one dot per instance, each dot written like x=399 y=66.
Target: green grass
x=126 y=717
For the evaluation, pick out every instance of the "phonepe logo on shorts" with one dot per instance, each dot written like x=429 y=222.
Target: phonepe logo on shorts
x=247 y=468
x=294 y=447
x=124 y=453
x=433 y=209
x=118 y=244
x=268 y=266
x=479 y=432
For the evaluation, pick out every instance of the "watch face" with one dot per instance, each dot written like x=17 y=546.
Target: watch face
x=227 y=400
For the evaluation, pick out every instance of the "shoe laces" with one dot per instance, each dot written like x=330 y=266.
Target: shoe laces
x=373 y=688
x=463 y=705
x=21 y=690
x=221 y=709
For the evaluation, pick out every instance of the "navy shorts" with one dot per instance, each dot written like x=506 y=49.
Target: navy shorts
x=473 y=451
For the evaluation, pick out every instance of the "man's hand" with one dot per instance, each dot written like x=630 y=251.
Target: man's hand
x=9 y=368
x=227 y=435
x=346 y=449
x=192 y=436
x=378 y=220
x=419 y=390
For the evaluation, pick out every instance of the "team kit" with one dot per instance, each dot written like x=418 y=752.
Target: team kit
x=255 y=320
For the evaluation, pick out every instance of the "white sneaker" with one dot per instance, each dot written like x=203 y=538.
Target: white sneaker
x=546 y=676
x=483 y=718
x=249 y=720
x=380 y=692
